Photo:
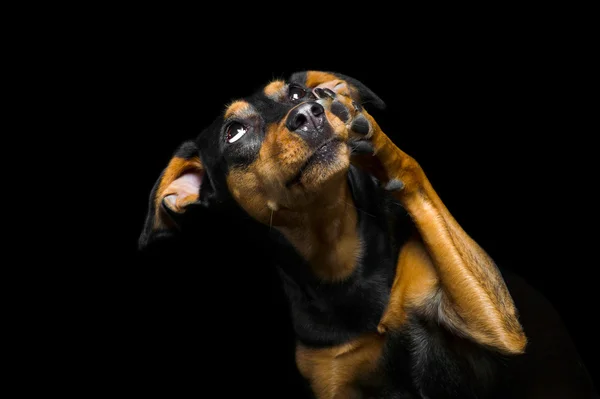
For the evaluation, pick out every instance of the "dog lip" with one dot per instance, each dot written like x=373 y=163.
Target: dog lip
x=296 y=179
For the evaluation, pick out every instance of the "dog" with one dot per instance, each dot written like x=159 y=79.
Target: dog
x=389 y=297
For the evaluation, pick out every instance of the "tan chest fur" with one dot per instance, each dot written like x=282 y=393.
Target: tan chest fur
x=336 y=372
x=340 y=371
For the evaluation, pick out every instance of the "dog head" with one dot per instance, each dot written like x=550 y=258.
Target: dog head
x=274 y=153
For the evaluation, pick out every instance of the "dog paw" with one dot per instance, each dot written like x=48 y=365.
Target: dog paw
x=350 y=112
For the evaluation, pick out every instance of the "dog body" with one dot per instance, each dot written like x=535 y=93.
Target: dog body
x=389 y=297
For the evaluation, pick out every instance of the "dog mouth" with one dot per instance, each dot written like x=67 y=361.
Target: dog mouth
x=323 y=155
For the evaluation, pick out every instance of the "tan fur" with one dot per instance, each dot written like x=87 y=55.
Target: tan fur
x=263 y=181
x=326 y=80
x=449 y=275
x=415 y=283
x=475 y=299
x=274 y=89
x=176 y=167
x=316 y=78
x=326 y=236
x=317 y=216
x=334 y=373
x=321 y=227
x=440 y=272
x=236 y=108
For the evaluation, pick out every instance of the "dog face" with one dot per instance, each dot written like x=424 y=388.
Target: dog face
x=275 y=152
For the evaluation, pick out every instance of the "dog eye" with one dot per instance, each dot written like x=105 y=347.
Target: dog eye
x=235 y=131
x=296 y=93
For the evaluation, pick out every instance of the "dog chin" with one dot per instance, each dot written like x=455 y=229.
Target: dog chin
x=328 y=162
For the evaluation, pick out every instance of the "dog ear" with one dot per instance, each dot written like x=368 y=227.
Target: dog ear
x=177 y=189
x=341 y=84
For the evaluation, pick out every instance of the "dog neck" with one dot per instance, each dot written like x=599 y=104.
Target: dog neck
x=325 y=234
x=332 y=312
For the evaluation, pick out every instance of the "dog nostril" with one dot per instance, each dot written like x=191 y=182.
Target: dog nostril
x=299 y=121
x=317 y=109
x=306 y=116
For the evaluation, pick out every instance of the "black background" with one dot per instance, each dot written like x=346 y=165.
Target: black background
x=495 y=116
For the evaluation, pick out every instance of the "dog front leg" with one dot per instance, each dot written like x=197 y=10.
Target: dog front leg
x=475 y=300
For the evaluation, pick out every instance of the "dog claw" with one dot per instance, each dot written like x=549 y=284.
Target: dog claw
x=362 y=147
x=394 y=185
x=324 y=92
x=330 y=93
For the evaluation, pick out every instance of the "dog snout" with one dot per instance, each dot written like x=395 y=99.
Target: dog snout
x=307 y=118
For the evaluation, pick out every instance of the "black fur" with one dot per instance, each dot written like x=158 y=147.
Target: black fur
x=326 y=314
x=187 y=150
x=367 y=96
x=423 y=360
x=299 y=77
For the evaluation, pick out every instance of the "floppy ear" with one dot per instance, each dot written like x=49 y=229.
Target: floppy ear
x=341 y=84
x=177 y=188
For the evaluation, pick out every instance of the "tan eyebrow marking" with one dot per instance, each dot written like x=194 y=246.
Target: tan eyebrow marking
x=315 y=78
x=237 y=108
x=273 y=89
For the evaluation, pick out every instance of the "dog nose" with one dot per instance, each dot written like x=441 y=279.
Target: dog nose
x=306 y=118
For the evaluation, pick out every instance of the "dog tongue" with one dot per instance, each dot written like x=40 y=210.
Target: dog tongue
x=183 y=191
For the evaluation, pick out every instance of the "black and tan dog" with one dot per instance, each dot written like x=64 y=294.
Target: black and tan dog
x=389 y=297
